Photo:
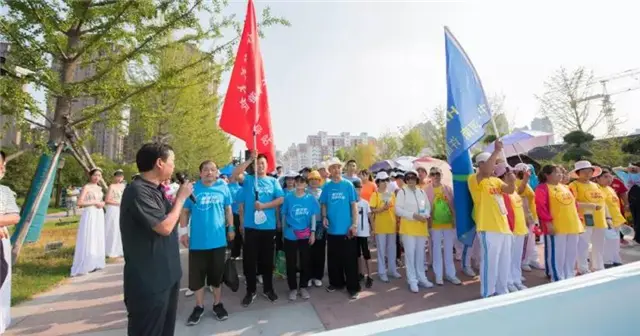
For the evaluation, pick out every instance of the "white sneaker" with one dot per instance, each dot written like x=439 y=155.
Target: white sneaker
x=526 y=268
x=293 y=295
x=512 y=288
x=414 y=288
x=439 y=282
x=535 y=264
x=454 y=280
x=469 y=272
x=310 y=283
x=210 y=288
x=317 y=283
x=396 y=275
x=384 y=278
x=520 y=286
x=425 y=284
x=304 y=294
x=259 y=277
x=188 y=293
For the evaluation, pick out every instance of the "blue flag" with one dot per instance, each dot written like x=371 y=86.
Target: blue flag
x=467 y=114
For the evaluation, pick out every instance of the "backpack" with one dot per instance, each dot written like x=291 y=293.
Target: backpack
x=441 y=212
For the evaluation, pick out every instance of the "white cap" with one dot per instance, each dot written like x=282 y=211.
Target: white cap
x=483 y=157
x=333 y=161
x=291 y=174
x=382 y=176
x=501 y=169
x=521 y=167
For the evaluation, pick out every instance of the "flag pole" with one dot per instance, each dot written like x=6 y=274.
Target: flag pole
x=495 y=130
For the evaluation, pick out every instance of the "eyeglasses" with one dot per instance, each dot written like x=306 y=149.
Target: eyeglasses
x=383 y=180
x=435 y=174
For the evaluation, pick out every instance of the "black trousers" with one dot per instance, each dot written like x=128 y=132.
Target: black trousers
x=153 y=315
x=293 y=249
x=634 y=206
x=236 y=244
x=342 y=255
x=398 y=247
x=257 y=256
x=317 y=259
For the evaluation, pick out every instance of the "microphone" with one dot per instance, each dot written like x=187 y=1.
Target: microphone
x=182 y=178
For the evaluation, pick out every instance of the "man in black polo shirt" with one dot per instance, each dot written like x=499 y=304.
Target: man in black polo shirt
x=148 y=221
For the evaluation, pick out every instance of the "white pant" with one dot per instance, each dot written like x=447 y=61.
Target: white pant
x=437 y=238
x=517 y=247
x=386 y=245
x=414 y=258
x=594 y=236
x=562 y=255
x=531 y=252
x=612 y=249
x=495 y=262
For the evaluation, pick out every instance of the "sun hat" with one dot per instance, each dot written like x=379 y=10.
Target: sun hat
x=314 y=175
x=580 y=165
x=291 y=174
x=482 y=157
x=333 y=162
x=501 y=169
x=382 y=176
x=410 y=172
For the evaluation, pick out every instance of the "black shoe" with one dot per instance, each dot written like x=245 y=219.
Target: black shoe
x=331 y=289
x=248 y=299
x=616 y=264
x=271 y=296
x=607 y=266
x=195 y=316
x=220 y=313
x=360 y=277
x=368 y=282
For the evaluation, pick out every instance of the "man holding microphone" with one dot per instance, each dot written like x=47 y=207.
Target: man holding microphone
x=148 y=223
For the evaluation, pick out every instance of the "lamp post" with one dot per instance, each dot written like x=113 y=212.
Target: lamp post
x=58 y=184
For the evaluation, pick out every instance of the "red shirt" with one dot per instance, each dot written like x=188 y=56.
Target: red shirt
x=620 y=189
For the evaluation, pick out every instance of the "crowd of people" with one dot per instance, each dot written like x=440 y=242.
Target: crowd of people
x=331 y=216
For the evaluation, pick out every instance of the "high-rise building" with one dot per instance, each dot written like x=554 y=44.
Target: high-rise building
x=107 y=140
x=9 y=133
x=319 y=147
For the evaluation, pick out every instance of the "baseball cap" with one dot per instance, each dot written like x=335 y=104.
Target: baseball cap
x=483 y=157
x=521 y=167
x=382 y=176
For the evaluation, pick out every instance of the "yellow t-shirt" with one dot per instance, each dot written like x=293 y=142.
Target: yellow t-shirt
x=438 y=193
x=411 y=227
x=590 y=193
x=520 y=221
x=613 y=205
x=472 y=182
x=489 y=208
x=530 y=197
x=562 y=205
x=385 y=222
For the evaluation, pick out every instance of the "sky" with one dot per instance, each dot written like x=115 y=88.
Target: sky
x=373 y=66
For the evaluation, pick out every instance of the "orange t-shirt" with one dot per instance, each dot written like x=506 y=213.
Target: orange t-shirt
x=368 y=188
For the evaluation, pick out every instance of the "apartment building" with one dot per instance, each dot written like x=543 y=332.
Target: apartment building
x=320 y=146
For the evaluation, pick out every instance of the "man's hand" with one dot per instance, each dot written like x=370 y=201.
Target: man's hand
x=312 y=238
x=259 y=206
x=184 y=191
x=184 y=239
x=4 y=233
x=253 y=156
x=498 y=146
x=325 y=222
x=353 y=231
x=231 y=235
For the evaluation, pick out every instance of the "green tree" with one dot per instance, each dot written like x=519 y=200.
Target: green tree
x=412 y=143
x=578 y=142
x=388 y=147
x=184 y=117
x=435 y=135
x=343 y=154
x=365 y=155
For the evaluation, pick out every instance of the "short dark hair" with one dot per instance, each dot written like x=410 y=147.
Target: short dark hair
x=262 y=156
x=351 y=160
x=278 y=167
x=204 y=163
x=149 y=153
x=3 y=155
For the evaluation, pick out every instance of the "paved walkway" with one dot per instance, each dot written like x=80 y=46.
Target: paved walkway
x=62 y=215
x=92 y=305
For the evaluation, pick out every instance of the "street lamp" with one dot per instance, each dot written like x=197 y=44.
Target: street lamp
x=58 y=185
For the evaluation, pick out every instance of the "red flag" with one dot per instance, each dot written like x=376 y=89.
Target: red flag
x=245 y=113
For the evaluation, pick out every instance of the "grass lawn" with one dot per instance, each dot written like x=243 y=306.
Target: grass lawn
x=52 y=208
x=36 y=271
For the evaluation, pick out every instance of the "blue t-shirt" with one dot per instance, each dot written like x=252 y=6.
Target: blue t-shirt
x=235 y=189
x=351 y=178
x=298 y=211
x=268 y=190
x=208 y=228
x=338 y=197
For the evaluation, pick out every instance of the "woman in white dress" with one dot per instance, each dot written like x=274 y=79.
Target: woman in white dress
x=113 y=241
x=90 y=252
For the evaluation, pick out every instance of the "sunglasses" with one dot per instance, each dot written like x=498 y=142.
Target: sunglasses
x=384 y=180
x=435 y=174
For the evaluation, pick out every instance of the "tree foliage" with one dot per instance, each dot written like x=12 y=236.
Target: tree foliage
x=184 y=117
x=365 y=155
x=578 y=149
x=342 y=154
x=388 y=146
x=435 y=132
x=412 y=143
x=568 y=99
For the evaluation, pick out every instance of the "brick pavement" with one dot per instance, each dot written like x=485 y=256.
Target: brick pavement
x=92 y=305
